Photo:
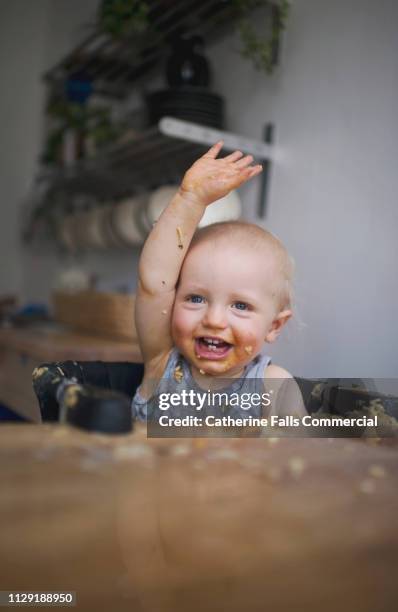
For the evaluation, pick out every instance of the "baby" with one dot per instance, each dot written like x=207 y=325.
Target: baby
x=207 y=302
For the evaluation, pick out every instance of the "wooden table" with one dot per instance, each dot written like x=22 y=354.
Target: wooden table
x=168 y=525
x=21 y=350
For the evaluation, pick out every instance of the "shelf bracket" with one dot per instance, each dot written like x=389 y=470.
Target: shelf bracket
x=200 y=134
x=268 y=137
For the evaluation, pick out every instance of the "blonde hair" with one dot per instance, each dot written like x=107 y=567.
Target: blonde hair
x=249 y=235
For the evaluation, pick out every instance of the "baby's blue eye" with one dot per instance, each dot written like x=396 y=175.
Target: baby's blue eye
x=240 y=306
x=195 y=299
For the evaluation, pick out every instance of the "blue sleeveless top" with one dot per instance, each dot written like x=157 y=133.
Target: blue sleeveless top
x=177 y=377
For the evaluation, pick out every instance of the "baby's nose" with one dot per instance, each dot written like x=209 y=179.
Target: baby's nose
x=216 y=317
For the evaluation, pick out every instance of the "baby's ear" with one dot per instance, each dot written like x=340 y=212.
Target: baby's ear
x=276 y=326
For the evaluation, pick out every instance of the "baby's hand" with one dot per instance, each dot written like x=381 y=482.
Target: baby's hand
x=210 y=179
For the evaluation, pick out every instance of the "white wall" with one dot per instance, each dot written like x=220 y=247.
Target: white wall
x=22 y=26
x=334 y=184
x=334 y=189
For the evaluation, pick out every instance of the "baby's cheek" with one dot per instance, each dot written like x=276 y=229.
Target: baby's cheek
x=248 y=343
x=175 y=327
x=181 y=323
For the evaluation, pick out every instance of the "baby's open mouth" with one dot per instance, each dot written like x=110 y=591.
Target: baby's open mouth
x=208 y=347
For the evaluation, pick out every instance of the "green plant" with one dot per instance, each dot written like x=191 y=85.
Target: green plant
x=76 y=116
x=123 y=18
x=88 y=121
x=69 y=114
x=103 y=132
x=261 y=49
x=130 y=19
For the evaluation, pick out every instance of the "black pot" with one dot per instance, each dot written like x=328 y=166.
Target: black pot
x=186 y=66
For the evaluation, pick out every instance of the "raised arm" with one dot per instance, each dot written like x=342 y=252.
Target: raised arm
x=208 y=180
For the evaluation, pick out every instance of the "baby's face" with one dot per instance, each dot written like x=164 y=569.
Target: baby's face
x=224 y=308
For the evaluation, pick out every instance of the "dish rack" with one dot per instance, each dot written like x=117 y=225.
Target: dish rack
x=164 y=151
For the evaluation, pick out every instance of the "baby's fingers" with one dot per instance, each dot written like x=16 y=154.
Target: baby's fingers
x=253 y=171
x=244 y=162
x=215 y=149
x=233 y=157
